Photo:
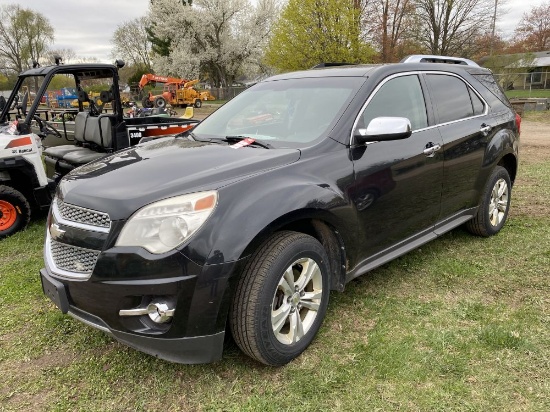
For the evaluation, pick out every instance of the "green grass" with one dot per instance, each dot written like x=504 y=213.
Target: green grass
x=462 y=324
x=541 y=117
x=521 y=94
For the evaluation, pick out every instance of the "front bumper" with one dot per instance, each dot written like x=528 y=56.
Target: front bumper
x=194 y=335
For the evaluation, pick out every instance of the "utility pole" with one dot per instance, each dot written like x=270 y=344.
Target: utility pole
x=493 y=29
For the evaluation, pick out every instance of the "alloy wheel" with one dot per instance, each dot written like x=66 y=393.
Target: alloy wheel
x=499 y=202
x=296 y=301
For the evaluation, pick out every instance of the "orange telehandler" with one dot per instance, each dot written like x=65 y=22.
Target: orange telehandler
x=177 y=92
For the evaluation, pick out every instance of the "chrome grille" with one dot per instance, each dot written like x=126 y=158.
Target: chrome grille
x=81 y=215
x=72 y=258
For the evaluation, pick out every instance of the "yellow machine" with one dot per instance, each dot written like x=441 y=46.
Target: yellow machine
x=93 y=96
x=177 y=92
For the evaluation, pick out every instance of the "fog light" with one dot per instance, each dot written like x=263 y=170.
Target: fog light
x=158 y=310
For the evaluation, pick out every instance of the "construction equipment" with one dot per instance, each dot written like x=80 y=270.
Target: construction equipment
x=95 y=96
x=177 y=92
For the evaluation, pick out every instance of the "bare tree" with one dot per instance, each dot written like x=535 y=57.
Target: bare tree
x=389 y=23
x=533 y=30
x=452 y=27
x=24 y=37
x=67 y=55
x=131 y=43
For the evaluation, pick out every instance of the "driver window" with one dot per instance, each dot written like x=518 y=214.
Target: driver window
x=399 y=97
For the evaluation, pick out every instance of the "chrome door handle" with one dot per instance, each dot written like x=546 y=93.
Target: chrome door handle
x=485 y=129
x=430 y=150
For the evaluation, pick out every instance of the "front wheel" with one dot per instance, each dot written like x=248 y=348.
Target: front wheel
x=495 y=204
x=198 y=103
x=15 y=211
x=281 y=298
x=146 y=103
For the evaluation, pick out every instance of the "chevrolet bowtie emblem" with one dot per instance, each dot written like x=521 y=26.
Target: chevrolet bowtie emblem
x=56 y=231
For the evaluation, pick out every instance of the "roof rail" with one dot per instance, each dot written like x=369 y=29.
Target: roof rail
x=426 y=58
x=332 y=64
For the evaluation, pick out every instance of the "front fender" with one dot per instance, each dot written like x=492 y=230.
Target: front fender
x=244 y=213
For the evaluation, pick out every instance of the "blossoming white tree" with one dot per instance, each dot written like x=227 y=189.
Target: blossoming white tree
x=214 y=39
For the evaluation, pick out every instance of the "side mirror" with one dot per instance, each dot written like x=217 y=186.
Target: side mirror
x=384 y=128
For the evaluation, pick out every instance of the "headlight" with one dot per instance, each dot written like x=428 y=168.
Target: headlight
x=162 y=226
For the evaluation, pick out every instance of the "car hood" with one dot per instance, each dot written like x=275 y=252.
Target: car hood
x=123 y=182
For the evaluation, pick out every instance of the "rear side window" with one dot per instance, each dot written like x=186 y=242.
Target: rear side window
x=398 y=97
x=452 y=98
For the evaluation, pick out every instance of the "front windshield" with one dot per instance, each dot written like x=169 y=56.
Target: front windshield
x=283 y=113
x=58 y=100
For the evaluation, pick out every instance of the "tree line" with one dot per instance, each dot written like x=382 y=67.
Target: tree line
x=221 y=41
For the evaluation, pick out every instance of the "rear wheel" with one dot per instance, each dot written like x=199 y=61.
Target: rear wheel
x=15 y=211
x=160 y=102
x=198 y=103
x=281 y=298
x=495 y=204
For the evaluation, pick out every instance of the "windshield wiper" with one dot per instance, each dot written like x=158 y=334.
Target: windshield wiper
x=250 y=141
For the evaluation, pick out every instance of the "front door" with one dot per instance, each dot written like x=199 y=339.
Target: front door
x=397 y=187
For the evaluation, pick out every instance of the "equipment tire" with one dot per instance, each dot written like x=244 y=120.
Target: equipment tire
x=15 y=211
x=281 y=298
x=495 y=204
x=160 y=102
x=198 y=103
x=148 y=104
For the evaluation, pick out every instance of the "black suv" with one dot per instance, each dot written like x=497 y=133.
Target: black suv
x=292 y=189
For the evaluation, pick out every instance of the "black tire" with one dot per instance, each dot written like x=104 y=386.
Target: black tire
x=148 y=104
x=15 y=211
x=160 y=102
x=198 y=103
x=260 y=298
x=495 y=204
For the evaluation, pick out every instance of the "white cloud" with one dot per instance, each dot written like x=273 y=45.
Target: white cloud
x=85 y=26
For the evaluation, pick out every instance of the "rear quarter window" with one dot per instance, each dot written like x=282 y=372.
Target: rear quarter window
x=479 y=107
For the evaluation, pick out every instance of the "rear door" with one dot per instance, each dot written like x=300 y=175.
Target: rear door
x=465 y=129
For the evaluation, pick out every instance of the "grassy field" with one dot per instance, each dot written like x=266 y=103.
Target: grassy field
x=519 y=94
x=462 y=324
x=539 y=117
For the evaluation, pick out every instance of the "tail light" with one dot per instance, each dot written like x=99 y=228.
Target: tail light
x=518 y=122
